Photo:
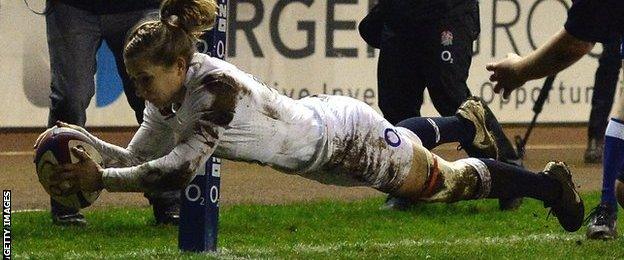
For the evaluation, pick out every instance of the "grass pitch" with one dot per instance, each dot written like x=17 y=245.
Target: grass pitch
x=321 y=230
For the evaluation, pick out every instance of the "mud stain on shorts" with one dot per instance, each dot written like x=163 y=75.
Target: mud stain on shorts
x=361 y=156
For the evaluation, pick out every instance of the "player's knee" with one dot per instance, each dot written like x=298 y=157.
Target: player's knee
x=433 y=179
x=454 y=185
x=465 y=179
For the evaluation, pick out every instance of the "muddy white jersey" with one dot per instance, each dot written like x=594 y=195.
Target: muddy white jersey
x=230 y=114
x=226 y=112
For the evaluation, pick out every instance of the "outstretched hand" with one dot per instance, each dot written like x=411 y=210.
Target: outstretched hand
x=72 y=126
x=85 y=175
x=58 y=124
x=506 y=75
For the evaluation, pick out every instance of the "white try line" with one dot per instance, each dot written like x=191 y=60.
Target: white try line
x=27 y=210
x=407 y=243
x=17 y=153
x=262 y=252
x=444 y=148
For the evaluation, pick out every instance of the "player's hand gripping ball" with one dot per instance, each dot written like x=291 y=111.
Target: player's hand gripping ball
x=53 y=150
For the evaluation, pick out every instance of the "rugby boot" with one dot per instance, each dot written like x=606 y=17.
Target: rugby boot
x=602 y=222
x=483 y=119
x=593 y=153
x=166 y=211
x=473 y=110
x=64 y=216
x=73 y=219
x=396 y=203
x=568 y=208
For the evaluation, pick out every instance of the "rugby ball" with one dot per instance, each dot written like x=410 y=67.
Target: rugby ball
x=55 y=149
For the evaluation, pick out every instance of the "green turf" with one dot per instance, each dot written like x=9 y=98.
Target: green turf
x=466 y=230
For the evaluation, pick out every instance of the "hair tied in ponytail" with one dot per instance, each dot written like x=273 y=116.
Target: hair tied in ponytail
x=174 y=34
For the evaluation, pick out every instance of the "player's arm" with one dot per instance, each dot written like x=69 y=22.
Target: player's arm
x=146 y=143
x=149 y=142
x=111 y=153
x=561 y=51
x=170 y=172
x=175 y=169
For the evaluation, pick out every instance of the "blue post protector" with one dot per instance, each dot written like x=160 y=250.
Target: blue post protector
x=199 y=211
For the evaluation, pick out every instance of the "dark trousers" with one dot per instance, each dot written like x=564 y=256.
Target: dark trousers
x=436 y=56
x=74 y=36
x=605 y=83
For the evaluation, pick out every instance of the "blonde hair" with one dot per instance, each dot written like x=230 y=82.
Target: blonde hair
x=161 y=42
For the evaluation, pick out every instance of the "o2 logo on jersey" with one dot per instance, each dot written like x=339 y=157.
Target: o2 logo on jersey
x=392 y=137
x=108 y=85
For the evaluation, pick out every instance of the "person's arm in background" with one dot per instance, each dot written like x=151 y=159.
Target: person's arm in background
x=588 y=21
x=561 y=51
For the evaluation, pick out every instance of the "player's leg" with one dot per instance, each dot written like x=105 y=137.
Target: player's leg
x=602 y=220
x=602 y=100
x=433 y=179
x=446 y=59
x=73 y=38
x=467 y=126
x=506 y=153
x=367 y=147
x=434 y=131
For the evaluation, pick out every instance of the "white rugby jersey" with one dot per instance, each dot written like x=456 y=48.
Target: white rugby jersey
x=243 y=120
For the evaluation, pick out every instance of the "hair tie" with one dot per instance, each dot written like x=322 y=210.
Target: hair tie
x=173 y=20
